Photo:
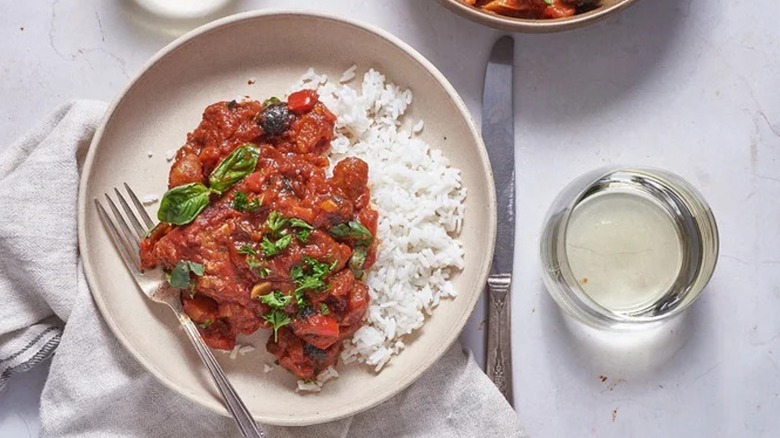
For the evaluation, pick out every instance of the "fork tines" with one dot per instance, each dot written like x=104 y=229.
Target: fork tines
x=127 y=241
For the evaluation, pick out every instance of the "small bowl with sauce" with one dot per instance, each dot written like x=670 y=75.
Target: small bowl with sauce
x=536 y=16
x=626 y=247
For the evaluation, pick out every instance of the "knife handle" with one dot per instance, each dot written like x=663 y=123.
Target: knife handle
x=499 y=340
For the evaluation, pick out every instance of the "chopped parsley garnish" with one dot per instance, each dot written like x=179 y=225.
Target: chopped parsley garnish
x=246 y=249
x=180 y=275
x=263 y=272
x=303 y=229
x=313 y=276
x=276 y=300
x=303 y=235
x=278 y=319
x=298 y=223
x=352 y=230
x=324 y=309
x=300 y=299
x=242 y=203
x=276 y=222
x=271 y=249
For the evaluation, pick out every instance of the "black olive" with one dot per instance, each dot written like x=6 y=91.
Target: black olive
x=275 y=119
x=313 y=352
x=306 y=312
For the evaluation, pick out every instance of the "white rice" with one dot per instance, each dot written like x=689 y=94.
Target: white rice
x=419 y=198
x=150 y=199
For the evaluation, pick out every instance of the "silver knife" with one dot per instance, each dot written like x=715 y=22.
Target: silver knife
x=499 y=135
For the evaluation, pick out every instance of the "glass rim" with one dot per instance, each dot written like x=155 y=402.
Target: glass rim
x=579 y=303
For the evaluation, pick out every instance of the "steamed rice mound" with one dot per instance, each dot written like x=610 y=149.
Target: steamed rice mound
x=420 y=200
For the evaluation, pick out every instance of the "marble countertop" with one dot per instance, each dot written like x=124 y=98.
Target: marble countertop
x=689 y=86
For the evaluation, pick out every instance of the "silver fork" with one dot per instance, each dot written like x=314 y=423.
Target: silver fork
x=153 y=284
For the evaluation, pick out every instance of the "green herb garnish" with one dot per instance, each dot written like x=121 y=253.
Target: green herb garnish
x=324 y=309
x=313 y=277
x=278 y=319
x=303 y=229
x=276 y=222
x=303 y=235
x=242 y=203
x=271 y=249
x=352 y=230
x=247 y=249
x=237 y=165
x=298 y=223
x=271 y=101
x=205 y=324
x=182 y=204
x=300 y=299
x=180 y=275
x=276 y=300
x=357 y=261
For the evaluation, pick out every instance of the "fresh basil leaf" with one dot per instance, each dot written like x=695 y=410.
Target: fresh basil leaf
x=197 y=269
x=180 y=275
x=352 y=230
x=182 y=204
x=237 y=165
x=276 y=300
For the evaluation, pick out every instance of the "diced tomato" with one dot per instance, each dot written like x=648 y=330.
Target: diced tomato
x=302 y=101
x=318 y=330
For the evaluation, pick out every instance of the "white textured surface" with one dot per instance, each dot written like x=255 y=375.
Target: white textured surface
x=690 y=86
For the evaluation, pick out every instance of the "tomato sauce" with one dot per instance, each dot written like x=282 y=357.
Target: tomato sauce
x=286 y=247
x=535 y=9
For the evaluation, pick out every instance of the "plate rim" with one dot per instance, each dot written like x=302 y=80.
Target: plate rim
x=83 y=202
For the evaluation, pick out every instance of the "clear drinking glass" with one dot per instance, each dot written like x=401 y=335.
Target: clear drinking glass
x=627 y=247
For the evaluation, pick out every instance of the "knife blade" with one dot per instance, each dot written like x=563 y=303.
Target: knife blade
x=499 y=135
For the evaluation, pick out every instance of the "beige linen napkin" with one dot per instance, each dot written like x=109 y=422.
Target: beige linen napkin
x=95 y=388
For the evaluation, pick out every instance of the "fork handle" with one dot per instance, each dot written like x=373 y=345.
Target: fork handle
x=246 y=424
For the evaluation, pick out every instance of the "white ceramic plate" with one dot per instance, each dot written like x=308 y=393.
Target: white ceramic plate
x=166 y=100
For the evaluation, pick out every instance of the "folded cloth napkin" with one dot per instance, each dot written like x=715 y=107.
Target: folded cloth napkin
x=95 y=388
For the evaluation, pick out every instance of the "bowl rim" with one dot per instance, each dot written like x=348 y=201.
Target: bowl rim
x=481 y=271
x=526 y=25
